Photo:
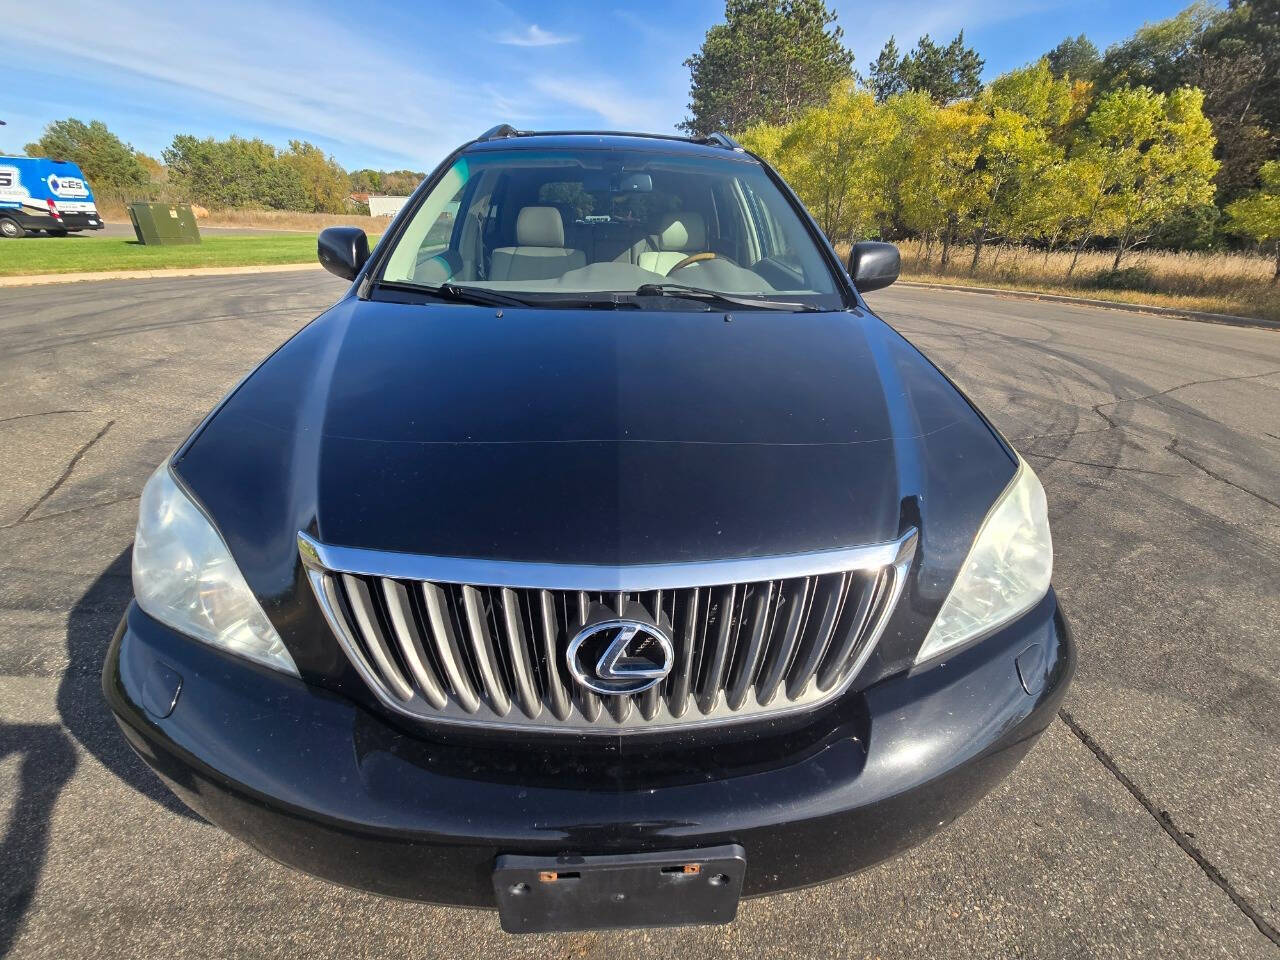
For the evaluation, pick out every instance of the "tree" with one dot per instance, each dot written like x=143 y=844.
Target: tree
x=1053 y=205
x=1239 y=71
x=1231 y=85
x=233 y=173
x=324 y=182
x=108 y=163
x=1233 y=56
x=831 y=156
x=886 y=73
x=930 y=167
x=1145 y=156
x=399 y=183
x=154 y=168
x=1252 y=28
x=1257 y=215
x=1036 y=92
x=768 y=61
x=1075 y=58
x=1160 y=56
x=366 y=181
x=1014 y=154
x=949 y=73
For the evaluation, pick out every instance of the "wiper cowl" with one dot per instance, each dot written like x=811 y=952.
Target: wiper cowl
x=457 y=293
x=716 y=296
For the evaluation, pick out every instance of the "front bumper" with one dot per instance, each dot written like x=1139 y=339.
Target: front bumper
x=320 y=783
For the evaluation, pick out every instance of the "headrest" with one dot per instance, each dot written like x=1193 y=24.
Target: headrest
x=539 y=227
x=685 y=230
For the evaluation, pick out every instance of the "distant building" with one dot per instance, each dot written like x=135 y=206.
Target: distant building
x=383 y=206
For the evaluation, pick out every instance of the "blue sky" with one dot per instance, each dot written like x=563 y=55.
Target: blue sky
x=394 y=83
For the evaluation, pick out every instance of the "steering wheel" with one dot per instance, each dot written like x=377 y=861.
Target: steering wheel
x=698 y=258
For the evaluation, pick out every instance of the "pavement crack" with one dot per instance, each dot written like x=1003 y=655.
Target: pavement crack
x=1111 y=423
x=1165 y=821
x=1180 y=386
x=1172 y=447
x=62 y=513
x=42 y=413
x=67 y=472
x=1068 y=433
x=1101 y=466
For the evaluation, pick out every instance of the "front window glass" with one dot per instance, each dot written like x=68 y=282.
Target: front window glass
x=538 y=224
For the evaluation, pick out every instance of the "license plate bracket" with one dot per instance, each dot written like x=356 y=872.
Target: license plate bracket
x=658 y=889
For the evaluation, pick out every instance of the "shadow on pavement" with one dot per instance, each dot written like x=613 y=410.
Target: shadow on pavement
x=84 y=712
x=48 y=760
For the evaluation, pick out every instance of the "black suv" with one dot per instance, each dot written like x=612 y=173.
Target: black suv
x=599 y=556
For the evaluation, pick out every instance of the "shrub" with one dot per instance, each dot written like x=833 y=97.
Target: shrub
x=1126 y=278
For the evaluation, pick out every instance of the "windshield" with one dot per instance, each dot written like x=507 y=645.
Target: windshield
x=533 y=224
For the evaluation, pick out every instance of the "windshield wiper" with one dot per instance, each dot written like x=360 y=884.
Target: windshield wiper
x=715 y=296
x=458 y=293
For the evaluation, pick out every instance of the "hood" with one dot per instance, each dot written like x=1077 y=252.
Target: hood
x=590 y=437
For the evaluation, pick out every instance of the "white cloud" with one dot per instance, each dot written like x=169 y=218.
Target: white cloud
x=534 y=36
x=373 y=95
x=267 y=65
x=620 y=109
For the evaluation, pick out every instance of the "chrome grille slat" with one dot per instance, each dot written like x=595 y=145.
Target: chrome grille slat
x=716 y=657
x=489 y=652
x=763 y=604
x=549 y=630
x=526 y=690
x=446 y=641
x=486 y=658
x=405 y=626
x=851 y=630
x=819 y=627
x=367 y=620
x=651 y=699
x=325 y=587
x=679 y=681
x=794 y=599
x=588 y=702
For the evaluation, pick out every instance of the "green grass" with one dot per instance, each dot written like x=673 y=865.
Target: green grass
x=40 y=254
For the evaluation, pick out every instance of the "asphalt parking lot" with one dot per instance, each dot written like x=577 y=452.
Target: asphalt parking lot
x=1146 y=823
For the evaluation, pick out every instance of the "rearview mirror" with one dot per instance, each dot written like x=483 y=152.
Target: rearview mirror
x=342 y=250
x=635 y=183
x=873 y=265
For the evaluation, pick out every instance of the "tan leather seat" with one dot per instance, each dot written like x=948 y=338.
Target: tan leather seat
x=540 y=253
x=679 y=234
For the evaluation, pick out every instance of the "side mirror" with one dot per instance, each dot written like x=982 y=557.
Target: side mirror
x=342 y=250
x=873 y=265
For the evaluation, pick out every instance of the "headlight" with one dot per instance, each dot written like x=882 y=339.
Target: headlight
x=1006 y=572
x=183 y=575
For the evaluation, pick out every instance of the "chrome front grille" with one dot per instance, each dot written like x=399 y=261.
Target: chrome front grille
x=484 y=642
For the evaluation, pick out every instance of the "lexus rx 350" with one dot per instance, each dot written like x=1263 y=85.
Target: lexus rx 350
x=599 y=556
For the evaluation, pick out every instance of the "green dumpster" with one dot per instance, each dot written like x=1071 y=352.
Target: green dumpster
x=164 y=223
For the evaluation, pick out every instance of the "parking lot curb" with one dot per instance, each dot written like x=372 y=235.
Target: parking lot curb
x=1199 y=316
x=34 y=279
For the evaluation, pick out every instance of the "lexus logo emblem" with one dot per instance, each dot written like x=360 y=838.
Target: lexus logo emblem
x=619 y=657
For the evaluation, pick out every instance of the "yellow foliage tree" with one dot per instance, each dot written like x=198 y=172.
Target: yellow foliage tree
x=1032 y=157
x=830 y=156
x=324 y=182
x=1258 y=214
x=1148 y=155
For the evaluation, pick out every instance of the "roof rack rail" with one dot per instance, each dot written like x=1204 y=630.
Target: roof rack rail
x=500 y=132
x=723 y=140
